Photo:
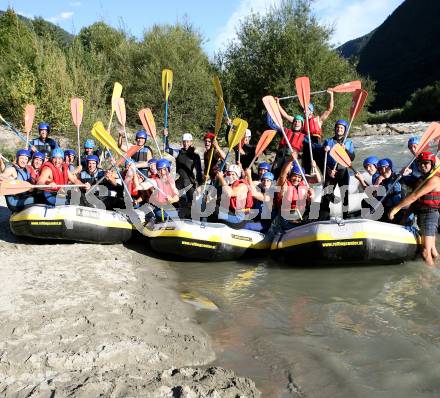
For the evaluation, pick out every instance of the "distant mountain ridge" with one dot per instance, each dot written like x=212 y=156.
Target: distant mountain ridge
x=402 y=54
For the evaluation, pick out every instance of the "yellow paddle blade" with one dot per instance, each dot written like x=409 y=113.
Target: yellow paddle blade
x=217 y=87
x=167 y=82
x=237 y=132
x=219 y=115
x=340 y=155
x=102 y=135
x=29 y=115
x=117 y=91
x=76 y=109
x=120 y=111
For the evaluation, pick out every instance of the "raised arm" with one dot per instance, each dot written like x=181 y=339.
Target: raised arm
x=329 y=109
x=284 y=114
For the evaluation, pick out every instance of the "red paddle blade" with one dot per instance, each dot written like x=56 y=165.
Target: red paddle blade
x=264 y=141
x=147 y=121
x=120 y=111
x=76 y=109
x=302 y=85
x=347 y=87
x=340 y=155
x=272 y=109
x=432 y=133
x=357 y=102
x=131 y=151
x=29 y=115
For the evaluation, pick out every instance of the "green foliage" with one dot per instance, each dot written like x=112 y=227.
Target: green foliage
x=271 y=51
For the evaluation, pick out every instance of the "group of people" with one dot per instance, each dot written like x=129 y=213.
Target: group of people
x=239 y=196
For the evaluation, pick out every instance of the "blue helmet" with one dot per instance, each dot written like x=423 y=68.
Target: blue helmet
x=92 y=158
x=141 y=134
x=264 y=166
x=44 y=126
x=57 y=153
x=69 y=152
x=23 y=152
x=414 y=141
x=151 y=161
x=385 y=163
x=370 y=160
x=38 y=155
x=342 y=122
x=296 y=169
x=163 y=163
x=267 y=176
x=311 y=107
x=89 y=144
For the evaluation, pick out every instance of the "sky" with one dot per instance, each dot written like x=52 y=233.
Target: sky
x=217 y=21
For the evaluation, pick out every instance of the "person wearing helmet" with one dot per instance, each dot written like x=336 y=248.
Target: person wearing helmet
x=152 y=170
x=19 y=171
x=92 y=173
x=188 y=167
x=211 y=144
x=412 y=173
x=69 y=158
x=144 y=154
x=236 y=198
x=336 y=173
x=426 y=202
x=43 y=143
x=34 y=168
x=366 y=178
x=56 y=172
x=295 y=137
x=293 y=200
x=89 y=149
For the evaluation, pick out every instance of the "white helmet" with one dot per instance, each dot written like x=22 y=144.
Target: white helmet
x=233 y=168
x=248 y=133
x=187 y=137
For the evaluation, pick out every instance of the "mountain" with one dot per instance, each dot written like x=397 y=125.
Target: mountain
x=401 y=55
x=43 y=27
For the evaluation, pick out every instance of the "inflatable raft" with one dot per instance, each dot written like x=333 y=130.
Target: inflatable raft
x=205 y=241
x=75 y=223
x=353 y=241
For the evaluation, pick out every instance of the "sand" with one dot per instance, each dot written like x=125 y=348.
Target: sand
x=85 y=320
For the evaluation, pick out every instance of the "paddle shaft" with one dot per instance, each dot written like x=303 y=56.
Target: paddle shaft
x=120 y=176
x=325 y=167
x=165 y=123
x=79 y=146
x=296 y=96
x=157 y=145
x=13 y=129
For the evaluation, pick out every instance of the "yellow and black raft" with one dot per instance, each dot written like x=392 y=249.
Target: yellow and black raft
x=353 y=241
x=205 y=241
x=73 y=223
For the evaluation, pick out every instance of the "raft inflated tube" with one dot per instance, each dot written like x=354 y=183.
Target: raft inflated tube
x=205 y=241
x=355 y=241
x=73 y=223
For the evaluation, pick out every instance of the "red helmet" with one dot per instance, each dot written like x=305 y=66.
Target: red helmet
x=209 y=136
x=426 y=156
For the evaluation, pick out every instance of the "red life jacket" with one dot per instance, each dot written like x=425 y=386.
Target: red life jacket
x=238 y=205
x=295 y=195
x=315 y=128
x=430 y=200
x=295 y=138
x=59 y=176
x=166 y=185
x=34 y=173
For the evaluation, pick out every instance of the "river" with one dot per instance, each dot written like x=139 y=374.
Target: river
x=301 y=331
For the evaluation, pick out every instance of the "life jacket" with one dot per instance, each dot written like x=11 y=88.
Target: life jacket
x=295 y=138
x=234 y=204
x=393 y=197
x=23 y=174
x=34 y=173
x=185 y=164
x=331 y=142
x=84 y=176
x=45 y=147
x=430 y=200
x=167 y=186
x=247 y=156
x=59 y=176
x=315 y=128
x=142 y=154
x=296 y=196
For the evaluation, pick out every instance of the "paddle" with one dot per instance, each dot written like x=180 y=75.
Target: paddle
x=341 y=88
x=122 y=116
x=13 y=129
x=167 y=85
x=264 y=141
x=219 y=92
x=340 y=155
x=149 y=125
x=274 y=112
x=431 y=134
x=15 y=187
x=76 y=109
x=117 y=91
x=29 y=115
x=302 y=85
x=236 y=134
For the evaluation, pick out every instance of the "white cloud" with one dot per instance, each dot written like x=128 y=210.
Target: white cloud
x=353 y=19
x=245 y=7
x=75 y=4
x=25 y=14
x=61 y=17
